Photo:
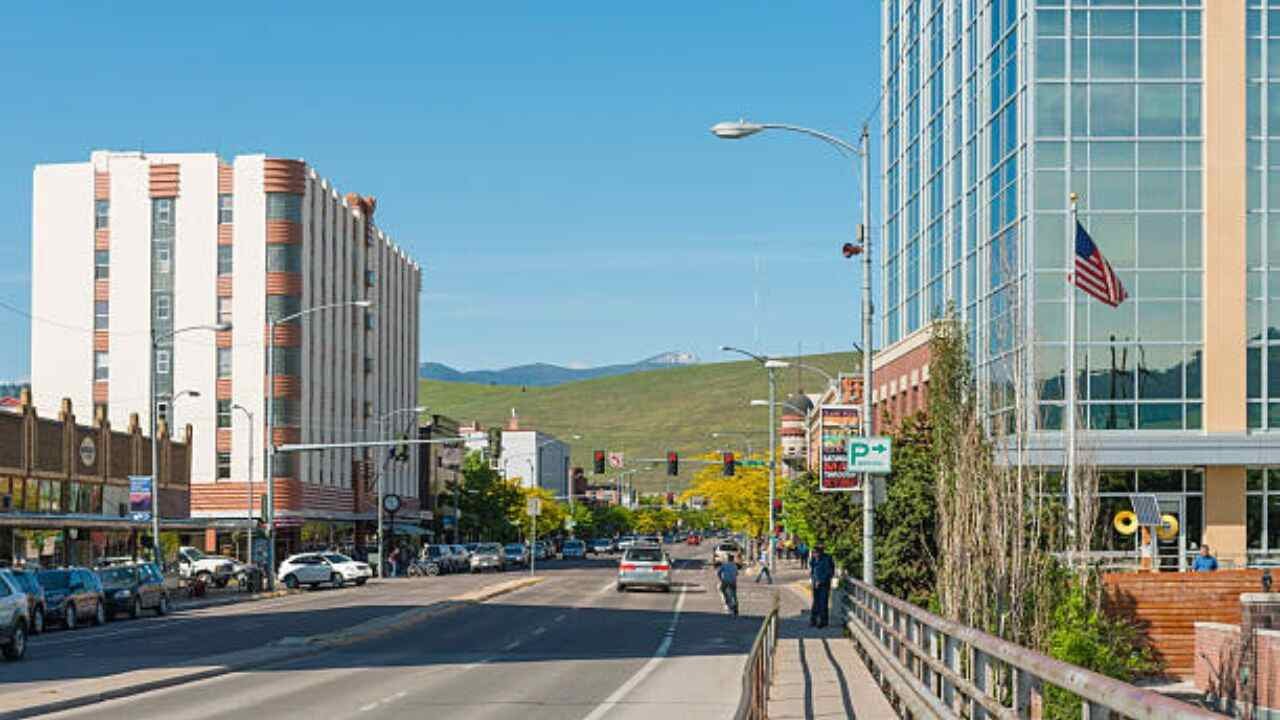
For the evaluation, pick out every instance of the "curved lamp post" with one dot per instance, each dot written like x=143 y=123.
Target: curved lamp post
x=741 y=129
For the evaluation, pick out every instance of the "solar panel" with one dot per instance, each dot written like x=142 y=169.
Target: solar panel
x=1147 y=508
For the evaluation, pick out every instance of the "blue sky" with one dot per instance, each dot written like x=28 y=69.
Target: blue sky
x=548 y=163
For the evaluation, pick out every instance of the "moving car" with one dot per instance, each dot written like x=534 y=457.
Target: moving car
x=625 y=542
x=73 y=595
x=644 y=566
x=488 y=556
x=14 y=619
x=315 y=569
x=516 y=554
x=573 y=549
x=600 y=546
x=134 y=588
x=28 y=584
x=212 y=569
x=721 y=554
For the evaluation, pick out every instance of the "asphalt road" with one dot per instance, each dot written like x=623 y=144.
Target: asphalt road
x=569 y=647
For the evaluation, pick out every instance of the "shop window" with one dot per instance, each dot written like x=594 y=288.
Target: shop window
x=224 y=464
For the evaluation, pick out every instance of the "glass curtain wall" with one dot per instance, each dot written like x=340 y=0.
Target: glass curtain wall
x=1117 y=119
x=1262 y=28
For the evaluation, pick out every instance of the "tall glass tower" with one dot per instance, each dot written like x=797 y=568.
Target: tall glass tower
x=1159 y=115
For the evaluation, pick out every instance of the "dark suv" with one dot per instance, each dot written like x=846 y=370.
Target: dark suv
x=73 y=595
x=134 y=588
x=13 y=618
x=27 y=583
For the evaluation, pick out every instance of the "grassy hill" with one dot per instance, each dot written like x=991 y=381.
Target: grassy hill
x=642 y=414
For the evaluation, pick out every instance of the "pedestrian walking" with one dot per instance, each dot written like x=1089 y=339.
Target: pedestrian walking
x=802 y=553
x=393 y=562
x=821 y=571
x=727 y=573
x=764 y=565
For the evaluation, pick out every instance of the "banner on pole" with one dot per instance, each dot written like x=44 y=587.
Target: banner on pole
x=140 y=497
x=838 y=425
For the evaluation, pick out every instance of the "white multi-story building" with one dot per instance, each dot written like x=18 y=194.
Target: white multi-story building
x=538 y=459
x=130 y=245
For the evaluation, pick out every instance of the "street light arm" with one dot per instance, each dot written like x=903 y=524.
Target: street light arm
x=840 y=145
x=818 y=370
x=758 y=358
x=350 y=303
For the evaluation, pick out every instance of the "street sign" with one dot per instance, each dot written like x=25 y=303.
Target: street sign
x=140 y=497
x=838 y=425
x=872 y=455
x=533 y=508
x=615 y=460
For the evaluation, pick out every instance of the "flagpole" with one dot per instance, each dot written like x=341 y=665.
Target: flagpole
x=1070 y=450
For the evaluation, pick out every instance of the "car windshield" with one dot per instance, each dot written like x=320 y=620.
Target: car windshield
x=193 y=554
x=515 y=548
x=434 y=551
x=573 y=544
x=117 y=576
x=489 y=548
x=55 y=579
x=644 y=555
x=336 y=558
x=728 y=547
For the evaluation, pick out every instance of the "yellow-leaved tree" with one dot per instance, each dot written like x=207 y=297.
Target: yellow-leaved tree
x=741 y=501
x=551 y=520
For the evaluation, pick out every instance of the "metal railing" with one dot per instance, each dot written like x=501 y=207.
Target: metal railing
x=931 y=667
x=754 y=701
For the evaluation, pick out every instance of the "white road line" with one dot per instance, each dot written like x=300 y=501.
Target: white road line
x=370 y=706
x=511 y=646
x=560 y=617
x=603 y=708
x=539 y=631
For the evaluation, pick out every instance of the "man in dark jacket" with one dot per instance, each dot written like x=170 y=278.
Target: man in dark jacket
x=821 y=571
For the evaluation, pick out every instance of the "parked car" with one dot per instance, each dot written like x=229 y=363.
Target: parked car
x=440 y=556
x=134 y=588
x=348 y=570
x=14 y=618
x=693 y=539
x=36 y=603
x=488 y=556
x=212 y=569
x=600 y=546
x=625 y=542
x=309 y=569
x=644 y=566
x=463 y=557
x=73 y=595
x=516 y=554
x=721 y=554
x=649 y=540
x=573 y=549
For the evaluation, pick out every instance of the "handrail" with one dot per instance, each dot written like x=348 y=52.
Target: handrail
x=951 y=670
x=753 y=703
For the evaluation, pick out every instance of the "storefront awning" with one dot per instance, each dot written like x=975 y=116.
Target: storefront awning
x=411 y=530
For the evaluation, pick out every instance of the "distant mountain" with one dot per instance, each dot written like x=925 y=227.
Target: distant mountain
x=545 y=375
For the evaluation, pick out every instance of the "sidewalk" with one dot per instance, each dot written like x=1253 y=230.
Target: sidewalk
x=817 y=673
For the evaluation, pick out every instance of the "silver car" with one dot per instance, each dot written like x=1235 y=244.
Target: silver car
x=644 y=566
x=488 y=556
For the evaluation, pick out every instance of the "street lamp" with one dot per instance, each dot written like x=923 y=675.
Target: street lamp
x=151 y=410
x=248 y=557
x=172 y=414
x=742 y=129
x=271 y=424
x=382 y=435
x=771 y=366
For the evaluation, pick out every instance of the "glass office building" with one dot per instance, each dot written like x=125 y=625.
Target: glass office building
x=1159 y=115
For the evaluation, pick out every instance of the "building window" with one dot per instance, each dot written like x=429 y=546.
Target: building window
x=286 y=360
x=224 y=259
x=283 y=306
x=284 y=206
x=224 y=362
x=163 y=265
x=101 y=315
x=164 y=307
x=101 y=264
x=369 y=277
x=285 y=413
x=369 y=322
x=224 y=465
x=224 y=310
x=1262 y=512
x=284 y=258
x=224 y=209
x=161 y=218
x=162 y=362
x=224 y=413
x=101 y=214
x=101 y=365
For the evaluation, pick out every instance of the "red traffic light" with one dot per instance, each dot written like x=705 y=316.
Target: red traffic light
x=849 y=250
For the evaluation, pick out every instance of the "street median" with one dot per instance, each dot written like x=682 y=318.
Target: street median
x=79 y=693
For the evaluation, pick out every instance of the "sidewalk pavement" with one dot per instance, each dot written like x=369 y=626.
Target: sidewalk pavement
x=817 y=673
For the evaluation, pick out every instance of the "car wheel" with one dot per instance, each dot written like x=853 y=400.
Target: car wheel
x=37 y=621
x=69 y=616
x=622 y=588
x=162 y=608
x=337 y=580
x=432 y=570
x=291 y=582
x=100 y=614
x=17 y=646
x=361 y=582
x=205 y=578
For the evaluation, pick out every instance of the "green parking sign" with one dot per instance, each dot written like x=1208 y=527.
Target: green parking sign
x=872 y=455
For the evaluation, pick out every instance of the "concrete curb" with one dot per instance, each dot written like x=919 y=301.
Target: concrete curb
x=228 y=600
x=81 y=693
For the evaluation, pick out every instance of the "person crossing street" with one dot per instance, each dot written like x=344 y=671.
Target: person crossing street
x=728 y=575
x=764 y=565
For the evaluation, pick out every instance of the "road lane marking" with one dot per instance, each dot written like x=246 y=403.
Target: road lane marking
x=663 y=648
x=511 y=646
x=560 y=617
x=539 y=630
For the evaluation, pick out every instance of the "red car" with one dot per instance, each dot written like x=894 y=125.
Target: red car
x=694 y=540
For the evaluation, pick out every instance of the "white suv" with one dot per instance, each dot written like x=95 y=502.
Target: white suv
x=213 y=569
x=314 y=569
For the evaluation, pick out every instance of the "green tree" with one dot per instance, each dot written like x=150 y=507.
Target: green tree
x=906 y=524
x=486 y=500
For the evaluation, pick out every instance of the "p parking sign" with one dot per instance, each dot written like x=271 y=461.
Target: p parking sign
x=873 y=455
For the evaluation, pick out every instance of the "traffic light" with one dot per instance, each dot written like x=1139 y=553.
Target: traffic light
x=673 y=463
x=402 y=451
x=729 y=465
x=671 y=498
x=599 y=462
x=777 y=505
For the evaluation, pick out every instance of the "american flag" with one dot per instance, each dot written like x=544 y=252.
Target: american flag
x=1093 y=273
